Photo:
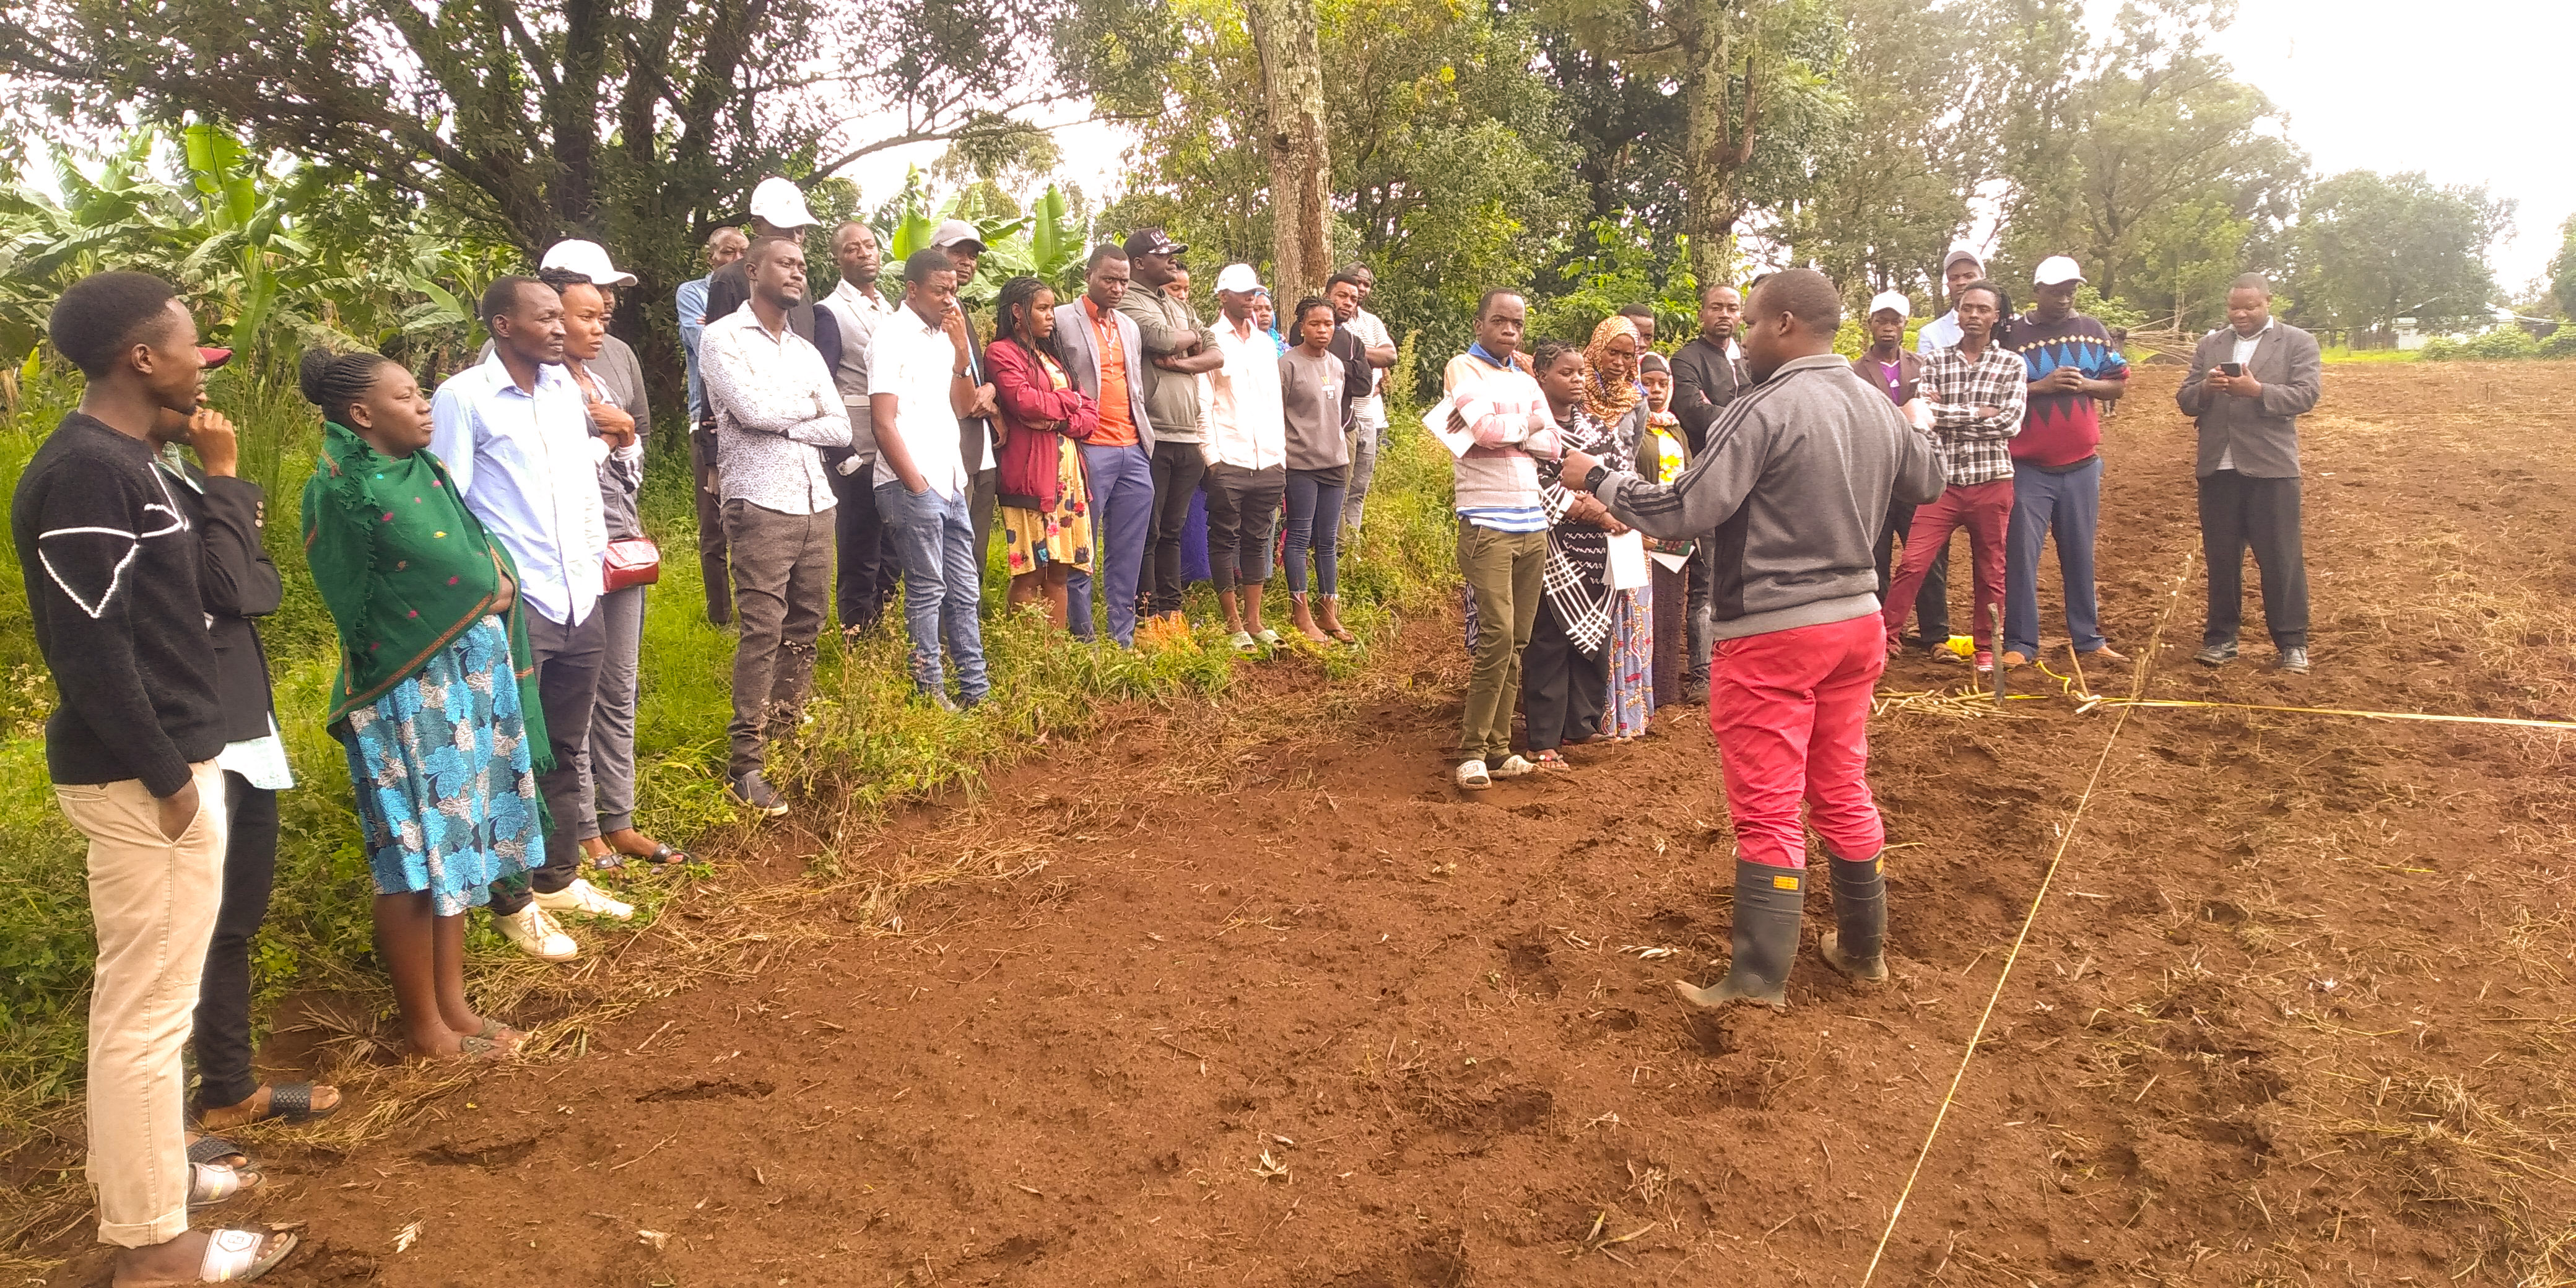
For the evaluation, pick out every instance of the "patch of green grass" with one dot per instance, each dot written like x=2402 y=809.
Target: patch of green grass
x=2372 y=355
x=866 y=746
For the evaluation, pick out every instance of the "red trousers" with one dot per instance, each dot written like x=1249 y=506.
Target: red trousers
x=1791 y=713
x=1985 y=510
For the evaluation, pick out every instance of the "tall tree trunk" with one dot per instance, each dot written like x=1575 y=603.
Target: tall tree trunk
x=1714 y=143
x=1301 y=175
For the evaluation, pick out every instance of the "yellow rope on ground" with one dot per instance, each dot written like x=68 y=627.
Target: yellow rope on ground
x=2334 y=711
x=2065 y=838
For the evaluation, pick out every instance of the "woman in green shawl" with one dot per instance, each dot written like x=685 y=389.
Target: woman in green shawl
x=433 y=701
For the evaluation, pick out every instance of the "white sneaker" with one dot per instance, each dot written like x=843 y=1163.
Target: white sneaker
x=1514 y=767
x=1472 y=775
x=581 y=896
x=537 y=935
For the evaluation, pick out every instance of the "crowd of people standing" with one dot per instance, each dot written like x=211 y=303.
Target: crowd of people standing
x=1635 y=529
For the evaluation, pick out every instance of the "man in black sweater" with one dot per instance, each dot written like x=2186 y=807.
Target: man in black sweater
x=112 y=572
x=1707 y=375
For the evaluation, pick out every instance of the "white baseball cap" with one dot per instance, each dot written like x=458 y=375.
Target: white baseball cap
x=2057 y=270
x=1238 y=278
x=780 y=204
x=1890 y=300
x=588 y=258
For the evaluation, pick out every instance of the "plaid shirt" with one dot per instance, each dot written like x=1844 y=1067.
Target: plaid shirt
x=1972 y=448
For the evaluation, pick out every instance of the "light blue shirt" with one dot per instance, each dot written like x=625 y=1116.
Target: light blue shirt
x=1938 y=334
x=692 y=302
x=526 y=465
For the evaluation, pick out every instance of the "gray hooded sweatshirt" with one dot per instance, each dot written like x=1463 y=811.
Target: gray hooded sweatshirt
x=1796 y=478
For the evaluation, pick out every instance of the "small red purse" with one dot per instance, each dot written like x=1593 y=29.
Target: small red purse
x=635 y=561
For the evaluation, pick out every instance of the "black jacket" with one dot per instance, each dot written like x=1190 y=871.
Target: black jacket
x=1705 y=380
x=112 y=565
x=238 y=583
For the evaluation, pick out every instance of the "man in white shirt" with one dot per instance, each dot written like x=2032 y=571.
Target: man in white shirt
x=775 y=405
x=864 y=579
x=1958 y=271
x=1247 y=447
x=920 y=381
x=514 y=432
x=1349 y=291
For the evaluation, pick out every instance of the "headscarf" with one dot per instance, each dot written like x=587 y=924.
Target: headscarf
x=405 y=569
x=1608 y=398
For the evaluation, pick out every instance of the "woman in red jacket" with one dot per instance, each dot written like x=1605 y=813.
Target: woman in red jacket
x=1045 y=504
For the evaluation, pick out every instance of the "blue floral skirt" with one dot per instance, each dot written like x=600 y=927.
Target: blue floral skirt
x=445 y=791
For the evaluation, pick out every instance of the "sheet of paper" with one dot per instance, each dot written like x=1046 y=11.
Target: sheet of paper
x=1628 y=560
x=1437 y=421
x=1671 y=562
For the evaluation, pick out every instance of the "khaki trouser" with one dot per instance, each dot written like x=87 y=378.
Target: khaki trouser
x=154 y=901
x=1504 y=571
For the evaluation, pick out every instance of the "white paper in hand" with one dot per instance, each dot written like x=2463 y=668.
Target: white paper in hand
x=1436 y=420
x=1628 y=560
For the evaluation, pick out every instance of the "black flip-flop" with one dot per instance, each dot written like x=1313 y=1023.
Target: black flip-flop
x=663 y=852
x=293 y=1102
x=210 y=1150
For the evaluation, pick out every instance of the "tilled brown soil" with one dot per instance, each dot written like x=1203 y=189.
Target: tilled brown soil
x=1253 y=996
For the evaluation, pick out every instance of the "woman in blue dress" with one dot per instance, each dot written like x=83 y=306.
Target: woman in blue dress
x=443 y=737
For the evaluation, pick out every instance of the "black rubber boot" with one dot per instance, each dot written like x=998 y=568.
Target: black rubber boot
x=1857 y=944
x=1767 y=903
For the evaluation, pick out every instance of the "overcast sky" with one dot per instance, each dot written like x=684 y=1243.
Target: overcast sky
x=2468 y=91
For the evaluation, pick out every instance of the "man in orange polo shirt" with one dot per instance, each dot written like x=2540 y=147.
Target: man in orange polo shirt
x=1104 y=353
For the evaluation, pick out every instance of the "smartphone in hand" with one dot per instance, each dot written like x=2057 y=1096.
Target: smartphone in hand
x=2231 y=370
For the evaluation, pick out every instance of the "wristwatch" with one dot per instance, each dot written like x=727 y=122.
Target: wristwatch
x=1592 y=481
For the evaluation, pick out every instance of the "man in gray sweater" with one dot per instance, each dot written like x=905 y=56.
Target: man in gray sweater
x=1795 y=477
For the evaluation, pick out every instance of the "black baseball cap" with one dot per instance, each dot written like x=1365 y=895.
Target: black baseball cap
x=1153 y=241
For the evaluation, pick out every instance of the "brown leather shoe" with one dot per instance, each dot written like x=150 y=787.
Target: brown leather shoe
x=2012 y=657
x=2106 y=653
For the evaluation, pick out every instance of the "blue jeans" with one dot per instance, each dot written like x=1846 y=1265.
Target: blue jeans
x=1122 y=516
x=2071 y=505
x=1314 y=518
x=934 y=535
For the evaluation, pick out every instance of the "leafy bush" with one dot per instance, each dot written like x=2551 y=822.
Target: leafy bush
x=2503 y=343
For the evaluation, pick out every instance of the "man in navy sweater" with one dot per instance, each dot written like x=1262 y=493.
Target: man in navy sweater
x=111 y=566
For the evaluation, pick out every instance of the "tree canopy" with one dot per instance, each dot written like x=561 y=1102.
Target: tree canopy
x=1591 y=152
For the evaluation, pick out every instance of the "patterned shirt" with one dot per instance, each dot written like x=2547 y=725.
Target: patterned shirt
x=775 y=403
x=2063 y=430
x=1973 y=448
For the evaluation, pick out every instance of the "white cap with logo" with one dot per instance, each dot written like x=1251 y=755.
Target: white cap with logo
x=1238 y=279
x=588 y=258
x=779 y=203
x=1885 y=301
x=2057 y=270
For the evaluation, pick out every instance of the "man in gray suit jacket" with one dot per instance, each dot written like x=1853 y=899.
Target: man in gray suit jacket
x=1119 y=458
x=2249 y=382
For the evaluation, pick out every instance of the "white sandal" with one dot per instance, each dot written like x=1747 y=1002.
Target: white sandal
x=239 y=1256
x=214 y=1182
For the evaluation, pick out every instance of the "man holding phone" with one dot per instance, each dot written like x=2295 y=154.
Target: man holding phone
x=2249 y=382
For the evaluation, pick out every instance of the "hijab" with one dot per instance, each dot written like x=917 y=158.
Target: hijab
x=1608 y=398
